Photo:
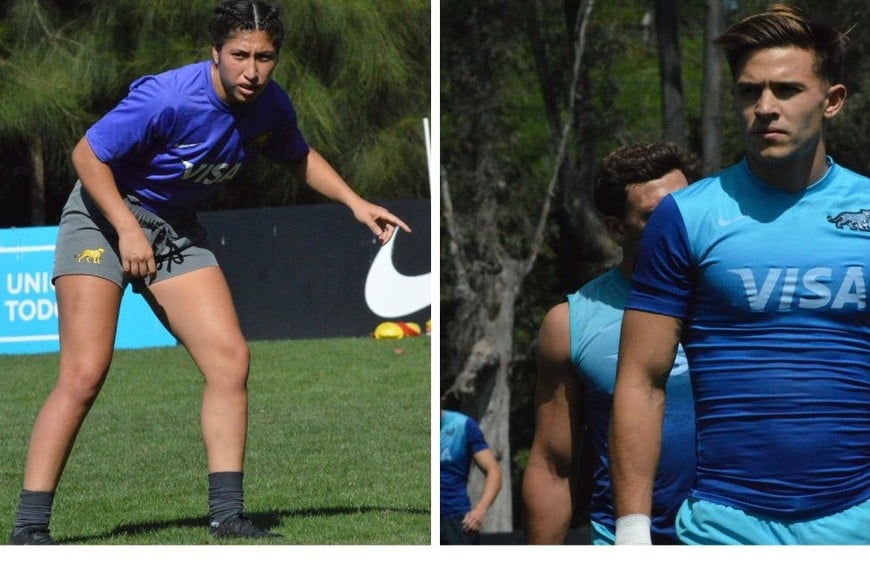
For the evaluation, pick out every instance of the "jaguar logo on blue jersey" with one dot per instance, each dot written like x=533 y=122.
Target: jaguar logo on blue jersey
x=208 y=173
x=854 y=220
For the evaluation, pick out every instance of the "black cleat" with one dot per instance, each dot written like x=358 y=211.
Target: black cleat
x=239 y=527
x=32 y=536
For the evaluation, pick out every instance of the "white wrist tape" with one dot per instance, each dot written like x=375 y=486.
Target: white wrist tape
x=633 y=529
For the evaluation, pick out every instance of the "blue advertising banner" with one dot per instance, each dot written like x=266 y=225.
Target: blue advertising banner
x=28 y=308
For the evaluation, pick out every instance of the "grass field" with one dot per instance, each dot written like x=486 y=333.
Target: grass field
x=338 y=446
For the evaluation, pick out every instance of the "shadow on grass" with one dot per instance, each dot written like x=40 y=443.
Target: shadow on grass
x=265 y=519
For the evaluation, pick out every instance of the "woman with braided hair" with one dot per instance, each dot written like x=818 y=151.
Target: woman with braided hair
x=174 y=140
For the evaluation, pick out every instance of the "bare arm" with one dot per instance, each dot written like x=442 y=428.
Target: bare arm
x=136 y=253
x=318 y=174
x=549 y=473
x=486 y=461
x=648 y=345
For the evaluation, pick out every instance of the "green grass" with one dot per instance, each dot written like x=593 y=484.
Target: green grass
x=338 y=445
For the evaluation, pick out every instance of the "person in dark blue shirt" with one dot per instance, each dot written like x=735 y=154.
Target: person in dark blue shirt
x=463 y=444
x=576 y=367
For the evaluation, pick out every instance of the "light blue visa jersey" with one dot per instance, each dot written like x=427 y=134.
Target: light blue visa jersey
x=772 y=287
x=596 y=318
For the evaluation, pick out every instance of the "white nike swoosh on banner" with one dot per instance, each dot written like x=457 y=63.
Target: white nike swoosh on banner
x=391 y=294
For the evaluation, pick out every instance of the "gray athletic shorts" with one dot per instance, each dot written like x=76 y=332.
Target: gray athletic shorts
x=88 y=244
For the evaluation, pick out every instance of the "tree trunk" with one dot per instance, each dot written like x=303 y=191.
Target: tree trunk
x=486 y=278
x=495 y=396
x=711 y=102
x=37 y=181
x=670 y=69
x=484 y=320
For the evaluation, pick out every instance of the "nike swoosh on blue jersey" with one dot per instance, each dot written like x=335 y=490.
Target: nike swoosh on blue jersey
x=727 y=222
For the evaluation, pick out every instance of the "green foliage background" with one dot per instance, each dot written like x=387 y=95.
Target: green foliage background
x=357 y=71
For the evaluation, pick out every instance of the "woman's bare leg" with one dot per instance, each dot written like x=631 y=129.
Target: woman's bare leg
x=200 y=312
x=88 y=316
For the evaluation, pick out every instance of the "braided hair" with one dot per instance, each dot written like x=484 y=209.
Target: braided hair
x=234 y=16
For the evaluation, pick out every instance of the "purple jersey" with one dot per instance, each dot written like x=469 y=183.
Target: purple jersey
x=172 y=141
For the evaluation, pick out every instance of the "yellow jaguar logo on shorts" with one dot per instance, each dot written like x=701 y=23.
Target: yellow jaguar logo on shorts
x=92 y=256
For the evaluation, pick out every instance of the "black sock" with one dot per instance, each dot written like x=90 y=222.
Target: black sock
x=34 y=509
x=225 y=496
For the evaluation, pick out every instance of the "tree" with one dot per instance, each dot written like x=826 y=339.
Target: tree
x=488 y=261
x=43 y=96
x=673 y=103
x=711 y=112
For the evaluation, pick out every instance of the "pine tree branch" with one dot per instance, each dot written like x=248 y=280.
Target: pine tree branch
x=579 y=48
x=454 y=240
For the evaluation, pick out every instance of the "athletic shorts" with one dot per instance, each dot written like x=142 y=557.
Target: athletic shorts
x=704 y=522
x=601 y=535
x=88 y=244
x=452 y=533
